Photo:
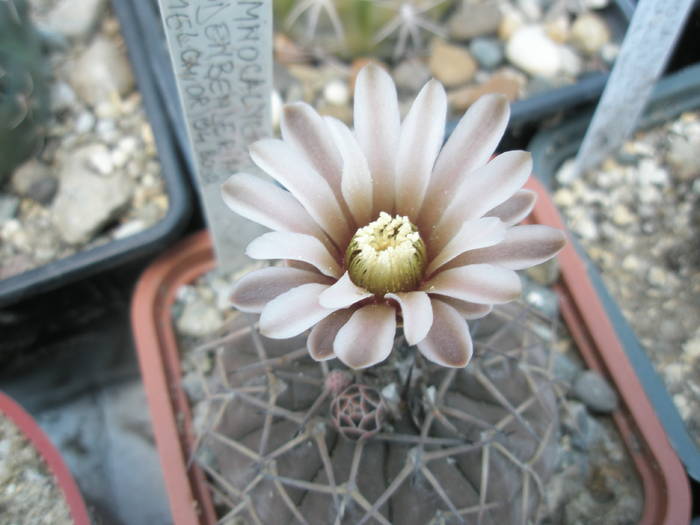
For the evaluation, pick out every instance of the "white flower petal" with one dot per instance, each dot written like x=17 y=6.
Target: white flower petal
x=449 y=342
x=296 y=247
x=523 y=247
x=368 y=336
x=474 y=234
x=377 y=127
x=416 y=312
x=292 y=312
x=469 y=311
x=320 y=340
x=343 y=293
x=469 y=147
x=266 y=203
x=284 y=164
x=516 y=208
x=254 y=290
x=476 y=283
x=356 y=184
x=480 y=191
x=422 y=134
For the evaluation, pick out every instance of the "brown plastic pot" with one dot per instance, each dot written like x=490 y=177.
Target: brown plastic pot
x=666 y=489
x=51 y=456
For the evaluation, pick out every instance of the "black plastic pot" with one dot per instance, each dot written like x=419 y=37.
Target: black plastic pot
x=527 y=111
x=550 y=148
x=95 y=260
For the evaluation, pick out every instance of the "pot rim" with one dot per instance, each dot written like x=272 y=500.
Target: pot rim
x=50 y=455
x=665 y=484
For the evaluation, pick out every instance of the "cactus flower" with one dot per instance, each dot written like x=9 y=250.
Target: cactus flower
x=384 y=226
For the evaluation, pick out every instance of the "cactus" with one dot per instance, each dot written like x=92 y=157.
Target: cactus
x=354 y=28
x=472 y=445
x=23 y=86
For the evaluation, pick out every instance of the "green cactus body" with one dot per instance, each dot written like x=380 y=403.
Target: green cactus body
x=439 y=446
x=24 y=104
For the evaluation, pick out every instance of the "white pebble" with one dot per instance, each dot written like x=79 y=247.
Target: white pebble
x=336 y=92
x=532 y=50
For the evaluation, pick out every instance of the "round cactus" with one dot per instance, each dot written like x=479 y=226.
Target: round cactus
x=23 y=86
x=440 y=445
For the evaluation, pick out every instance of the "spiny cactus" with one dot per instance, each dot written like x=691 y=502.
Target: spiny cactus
x=472 y=445
x=352 y=28
x=23 y=86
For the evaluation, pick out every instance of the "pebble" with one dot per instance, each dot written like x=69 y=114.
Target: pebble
x=101 y=72
x=451 y=65
x=62 y=97
x=683 y=156
x=30 y=175
x=589 y=33
x=657 y=276
x=8 y=206
x=75 y=19
x=533 y=51
x=199 y=319
x=511 y=21
x=129 y=228
x=594 y=391
x=411 y=75
x=506 y=83
x=87 y=201
x=622 y=216
x=336 y=92
x=566 y=369
x=475 y=19
x=487 y=52
x=84 y=122
x=571 y=63
x=100 y=159
x=558 y=28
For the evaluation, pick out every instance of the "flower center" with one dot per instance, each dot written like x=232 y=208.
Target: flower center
x=387 y=255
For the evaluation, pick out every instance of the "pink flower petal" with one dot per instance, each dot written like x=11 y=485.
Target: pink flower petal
x=296 y=247
x=480 y=191
x=368 y=336
x=416 y=312
x=469 y=311
x=523 y=247
x=254 y=290
x=422 y=134
x=516 y=208
x=474 y=234
x=288 y=167
x=292 y=312
x=377 y=127
x=266 y=203
x=320 y=340
x=469 y=147
x=343 y=293
x=476 y=283
x=356 y=184
x=448 y=343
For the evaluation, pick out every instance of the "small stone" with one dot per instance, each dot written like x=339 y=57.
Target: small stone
x=411 y=74
x=566 y=174
x=541 y=298
x=558 y=28
x=533 y=51
x=683 y=156
x=75 y=19
x=631 y=263
x=472 y=20
x=336 y=92
x=100 y=159
x=487 y=52
x=27 y=175
x=511 y=21
x=87 y=201
x=622 y=216
x=62 y=97
x=594 y=391
x=8 y=206
x=451 y=65
x=589 y=33
x=129 y=228
x=565 y=369
x=84 y=122
x=101 y=72
x=199 y=318
x=571 y=63
x=530 y=8
x=596 y=4
x=506 y=83
x=657 y=277
x=609 y=53
x=564 y=198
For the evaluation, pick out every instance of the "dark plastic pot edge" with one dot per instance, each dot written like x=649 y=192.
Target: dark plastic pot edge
x=92 y=261
x=31 y=430
x=666 y=491
x=550 y=148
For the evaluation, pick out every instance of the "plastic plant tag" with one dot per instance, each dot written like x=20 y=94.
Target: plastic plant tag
x=221 y=51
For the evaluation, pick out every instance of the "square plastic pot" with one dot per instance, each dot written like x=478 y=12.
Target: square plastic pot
x=665 y=485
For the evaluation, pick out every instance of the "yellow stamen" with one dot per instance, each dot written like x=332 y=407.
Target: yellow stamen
x=387 y=255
